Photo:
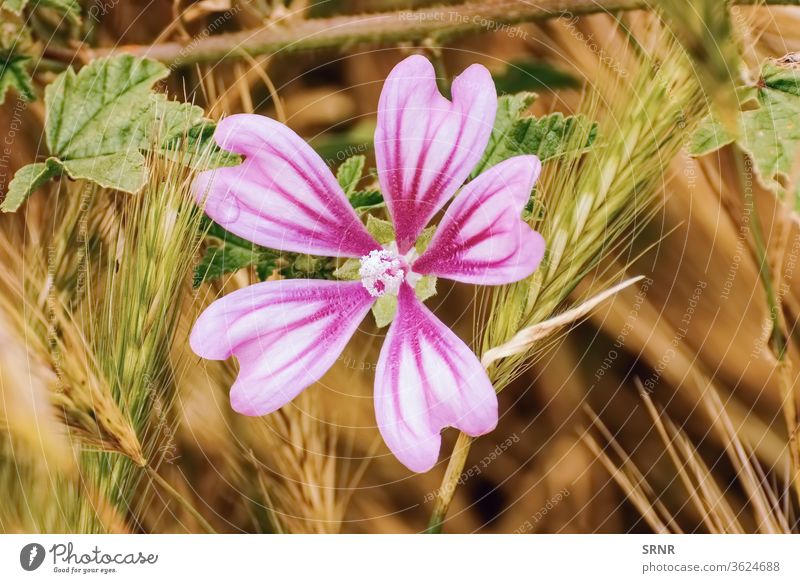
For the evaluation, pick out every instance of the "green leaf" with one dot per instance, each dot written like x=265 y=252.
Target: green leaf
x=230 y=253
x=529 y=75
x=15 y=6
x=349 y=173
x=769 y=133
x=69 y=8
x=348 y=270
x=510 y=109
x=13 y=73
x=27 y=180
x=198 y=150
x=125 y=171
x=101 y=109
x=710 y=135
x=384 y=309
x=366 y=199
x=383 y=231
x=221 y=260
x=172 y=119
x=516 y=134
x=424 y=239
x=426 y=287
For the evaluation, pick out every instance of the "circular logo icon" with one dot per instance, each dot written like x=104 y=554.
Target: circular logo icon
x=31 y=556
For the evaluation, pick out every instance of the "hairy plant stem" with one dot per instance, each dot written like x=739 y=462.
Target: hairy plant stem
x=778 y=340
x=449 y=483
x=385 y=28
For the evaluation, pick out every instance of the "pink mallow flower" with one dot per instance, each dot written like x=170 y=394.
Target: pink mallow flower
x=286 y=334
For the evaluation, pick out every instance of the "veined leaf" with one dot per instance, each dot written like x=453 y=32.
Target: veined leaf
x=230 y=253
x=364 y=199
x=516 y=134
x=349 y=173
x=99 y=120
x=197 y=149
x=13 y=73
x=770 y=133
x=27 y=180
x=101 y=109
x=125 y=171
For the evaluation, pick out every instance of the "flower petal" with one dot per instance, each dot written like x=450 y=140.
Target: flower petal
x=425 y=145
x=482 y=238
x=428 y=379
x=286 y=335
x=282 y=196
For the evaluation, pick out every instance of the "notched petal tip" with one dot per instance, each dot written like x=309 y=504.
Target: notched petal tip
x=426 y=145
x=428 y=379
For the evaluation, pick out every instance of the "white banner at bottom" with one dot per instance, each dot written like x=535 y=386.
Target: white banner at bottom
x=401 y=558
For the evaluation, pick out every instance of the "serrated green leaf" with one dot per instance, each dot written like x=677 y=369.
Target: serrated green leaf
x=198 y=150
x=383 y=231
x=125 y=171
x=230 y=253
x=349 y=173
x=710 y=135
x=103 y=108
x=26 y=181
x=13 y=73
x=510 y=108
x=172 y=119
x=782 y=75
x=221 y=260
x=384 y=310
x=366 y=199
x=424 y=239
x=770 y=133
x=516 y=134
x=426 y=287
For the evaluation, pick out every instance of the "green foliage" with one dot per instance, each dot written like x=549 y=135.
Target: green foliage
x=71 y=9
x=229 y=253
x=528 y=75
x=100 y=120
x=27 y=180
x=349 y=175
x=14 y=73
x=197 y=149
x=515 y=133
x=381 y=230
x=15 y=6
x=769 y=133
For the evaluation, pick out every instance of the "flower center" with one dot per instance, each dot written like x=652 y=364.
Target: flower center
x=382 y=272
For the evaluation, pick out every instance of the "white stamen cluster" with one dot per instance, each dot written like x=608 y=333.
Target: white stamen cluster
x=381 y=272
